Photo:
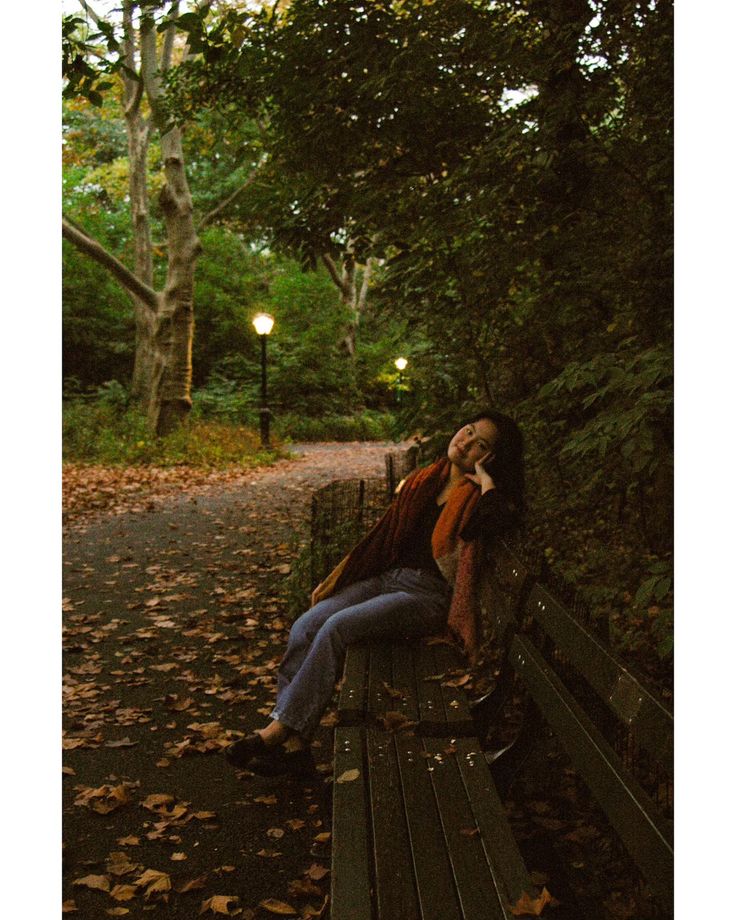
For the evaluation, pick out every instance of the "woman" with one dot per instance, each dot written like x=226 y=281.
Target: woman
x=413 y=575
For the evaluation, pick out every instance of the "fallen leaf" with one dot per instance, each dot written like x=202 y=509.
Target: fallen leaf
x=128 y=841
x=396 y=722
x=123 y=892
x=124 y=742
x=193 y=884
x=268 y=854
x=348 y=776
x=278 y=907
x=266 y=799
x=118 y=863
x=156 y=801
x=154 y=882
x=69 y=907
x=98 y=882
x=218 y=904
x=317 y=872
x=392 y=691
x=178 y=857
x=527 y=906
x=276 y=833
x=104 y=799
x=295 y=824
x=117 y=911
x=303 y=888
x=457 y=681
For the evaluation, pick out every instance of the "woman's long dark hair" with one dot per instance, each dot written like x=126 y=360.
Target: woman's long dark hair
x=507 y=466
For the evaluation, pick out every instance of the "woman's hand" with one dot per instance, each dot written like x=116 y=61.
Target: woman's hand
x=481 y=477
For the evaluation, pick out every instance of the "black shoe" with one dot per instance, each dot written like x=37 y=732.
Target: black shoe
x=298 y=764
x=240 y=753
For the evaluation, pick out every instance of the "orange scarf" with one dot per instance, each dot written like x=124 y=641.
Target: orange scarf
x=457 y=560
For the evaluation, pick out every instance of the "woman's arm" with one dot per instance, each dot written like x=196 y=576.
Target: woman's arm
x=494 y=514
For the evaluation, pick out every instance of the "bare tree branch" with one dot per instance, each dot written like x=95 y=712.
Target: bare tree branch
x=90 y=12
x=133 y=88
x=219 y=208
x=120 y=272
x=367 y=271
x=332 y=269
x=168 y=49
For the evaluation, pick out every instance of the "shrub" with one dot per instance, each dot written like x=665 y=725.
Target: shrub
x=101 y=431
x=366 y=426
x=225 y=400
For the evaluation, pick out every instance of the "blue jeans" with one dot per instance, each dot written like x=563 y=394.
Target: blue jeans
x=399 y=602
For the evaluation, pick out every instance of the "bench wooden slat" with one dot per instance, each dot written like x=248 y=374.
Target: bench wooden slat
x=502 y=852
x=650 y=723
x=403 y=659
x=431 y=702
x=351 y=879
x=502 y=586
x=380 y=673
x=457 y=709
x=474 y=881
x=373 y=669
x=432 y=868
x=395 y=892
x=646 y=835
x=352 y=699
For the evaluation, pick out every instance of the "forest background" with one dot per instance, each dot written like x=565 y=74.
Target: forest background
x=485 y=189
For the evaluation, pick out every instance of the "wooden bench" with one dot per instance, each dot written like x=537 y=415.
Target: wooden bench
x=419 y=825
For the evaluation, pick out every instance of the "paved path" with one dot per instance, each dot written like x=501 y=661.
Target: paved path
x=175 y=619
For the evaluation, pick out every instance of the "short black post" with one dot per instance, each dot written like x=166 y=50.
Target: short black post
x=263 y=323
x=265 y=412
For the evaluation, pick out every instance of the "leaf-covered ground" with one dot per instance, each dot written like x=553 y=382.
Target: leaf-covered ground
x=174 y=623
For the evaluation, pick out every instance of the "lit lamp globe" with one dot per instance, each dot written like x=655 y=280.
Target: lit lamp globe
x=263 y=323
x=401 y=363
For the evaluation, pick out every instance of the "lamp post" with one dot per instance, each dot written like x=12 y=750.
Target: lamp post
x=400 y=367
x=263 y=323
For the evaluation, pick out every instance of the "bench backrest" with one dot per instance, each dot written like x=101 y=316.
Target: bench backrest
x=622 y=692
x=575 y=680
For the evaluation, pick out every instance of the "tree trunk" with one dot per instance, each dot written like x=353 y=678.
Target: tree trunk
x=138 y=131
x=172 y=372
x=171 y=381
x=352 y=299
x=348 y=301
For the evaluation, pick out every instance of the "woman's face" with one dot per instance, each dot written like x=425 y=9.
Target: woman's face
x=471 y=443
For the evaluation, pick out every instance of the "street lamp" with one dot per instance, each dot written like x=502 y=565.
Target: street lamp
x=400 y=366
x=263 y=323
